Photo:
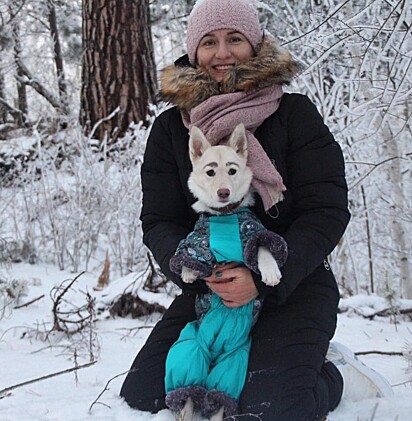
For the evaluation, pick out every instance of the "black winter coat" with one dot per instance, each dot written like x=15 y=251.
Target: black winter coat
x=312 y=218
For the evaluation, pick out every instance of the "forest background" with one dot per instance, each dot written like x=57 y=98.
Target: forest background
x=74 y=116
x=78 y=95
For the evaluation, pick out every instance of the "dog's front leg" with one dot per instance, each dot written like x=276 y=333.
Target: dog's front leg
x=268 y=267
x=189 y=275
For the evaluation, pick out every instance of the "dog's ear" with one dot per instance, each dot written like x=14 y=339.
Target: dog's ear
x=238 y=140
x=197 y=143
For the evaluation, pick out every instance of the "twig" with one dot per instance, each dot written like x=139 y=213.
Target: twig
x=250 y=415
x=13 y=111
x=318 y=26
x=129 y=331
x=402 y=384
x=148 y=284
x=30 y=302
x=48 y=376
x=105 y=389
x=373 y=168
x=5 y=395
x=135 y=328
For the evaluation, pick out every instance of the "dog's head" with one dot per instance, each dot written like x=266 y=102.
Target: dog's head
x=220 y=179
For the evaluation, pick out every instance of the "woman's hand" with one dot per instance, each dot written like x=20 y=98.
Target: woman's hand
x=233 y=284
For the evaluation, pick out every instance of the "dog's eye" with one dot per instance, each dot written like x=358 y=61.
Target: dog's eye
x=232 y=171
x=210 y=173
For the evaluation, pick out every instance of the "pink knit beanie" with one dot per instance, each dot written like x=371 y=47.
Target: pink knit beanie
x=211 y=15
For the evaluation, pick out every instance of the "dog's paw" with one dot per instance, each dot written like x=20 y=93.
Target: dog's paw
x=187 y=412
x=219 y=415
x=270 y=278
x=268 y=267
x=189 y=275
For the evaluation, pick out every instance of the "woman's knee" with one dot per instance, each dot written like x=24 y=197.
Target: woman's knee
x=275 y=396
x=298 y=393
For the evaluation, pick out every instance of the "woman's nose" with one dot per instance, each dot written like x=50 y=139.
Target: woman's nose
x=223 y=50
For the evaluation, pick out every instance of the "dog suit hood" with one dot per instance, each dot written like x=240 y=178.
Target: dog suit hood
x=186 y=86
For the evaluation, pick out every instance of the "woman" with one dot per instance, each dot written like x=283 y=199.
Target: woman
x=234 y=72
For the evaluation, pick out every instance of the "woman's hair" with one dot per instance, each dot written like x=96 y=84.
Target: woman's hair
x=212 y=15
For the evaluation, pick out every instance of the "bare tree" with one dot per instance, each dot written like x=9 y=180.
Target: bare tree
x=22 y=20
x=356 y=60
x=118 y=79
x=58 y=59
x=3 y=108
x=21 y=87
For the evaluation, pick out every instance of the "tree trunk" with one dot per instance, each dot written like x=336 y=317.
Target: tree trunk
x=399 y=233
x=58 y=59
x=21 y=87
x=3 y=109
x=119 y=78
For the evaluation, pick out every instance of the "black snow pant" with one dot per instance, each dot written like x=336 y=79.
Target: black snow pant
x=288 y=378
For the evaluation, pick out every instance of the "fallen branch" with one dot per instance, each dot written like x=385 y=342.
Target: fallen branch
x=391 y=353
x=48 y=376
x=30 y=302
x=386 y=312
x=65 y=320
x=131 y=304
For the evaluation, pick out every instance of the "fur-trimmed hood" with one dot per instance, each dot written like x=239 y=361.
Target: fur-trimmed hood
x=186 y=86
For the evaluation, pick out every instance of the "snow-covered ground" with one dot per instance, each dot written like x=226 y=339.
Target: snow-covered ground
x=26 y=354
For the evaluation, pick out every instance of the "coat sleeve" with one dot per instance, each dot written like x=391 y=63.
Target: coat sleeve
x=317 y=184
x=165 y=211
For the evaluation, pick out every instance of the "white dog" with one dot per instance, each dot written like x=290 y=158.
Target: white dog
x=221 y=181
x=226 y=231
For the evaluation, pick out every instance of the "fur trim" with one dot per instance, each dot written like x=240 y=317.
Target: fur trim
x=272 y=241
x=176 y=399
x=214 y=400
x=177 y=262
x=186 y=86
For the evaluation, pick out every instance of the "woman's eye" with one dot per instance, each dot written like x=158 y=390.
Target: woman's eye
x=232 y=171
x=207 y=43
x=210 y=173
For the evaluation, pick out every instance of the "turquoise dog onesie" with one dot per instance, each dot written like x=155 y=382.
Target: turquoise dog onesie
x=211 y=353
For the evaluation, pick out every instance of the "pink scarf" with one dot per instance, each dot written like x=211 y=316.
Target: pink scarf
x=220 y=114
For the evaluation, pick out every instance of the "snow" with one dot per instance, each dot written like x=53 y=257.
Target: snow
x=26 y=354
x=17 y=146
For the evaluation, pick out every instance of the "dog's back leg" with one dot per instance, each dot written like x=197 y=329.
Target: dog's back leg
x=186 y=414
x=218 y=416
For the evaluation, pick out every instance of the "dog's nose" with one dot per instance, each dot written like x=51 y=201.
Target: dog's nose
x=223 y=193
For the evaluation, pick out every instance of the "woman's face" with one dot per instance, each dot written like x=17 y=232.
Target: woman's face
x=220 y=50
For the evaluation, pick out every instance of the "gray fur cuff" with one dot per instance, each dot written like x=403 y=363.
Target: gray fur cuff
x=272 y=241
x=179 y=260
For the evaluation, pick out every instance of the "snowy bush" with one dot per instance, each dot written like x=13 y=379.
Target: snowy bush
x=73 y=201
